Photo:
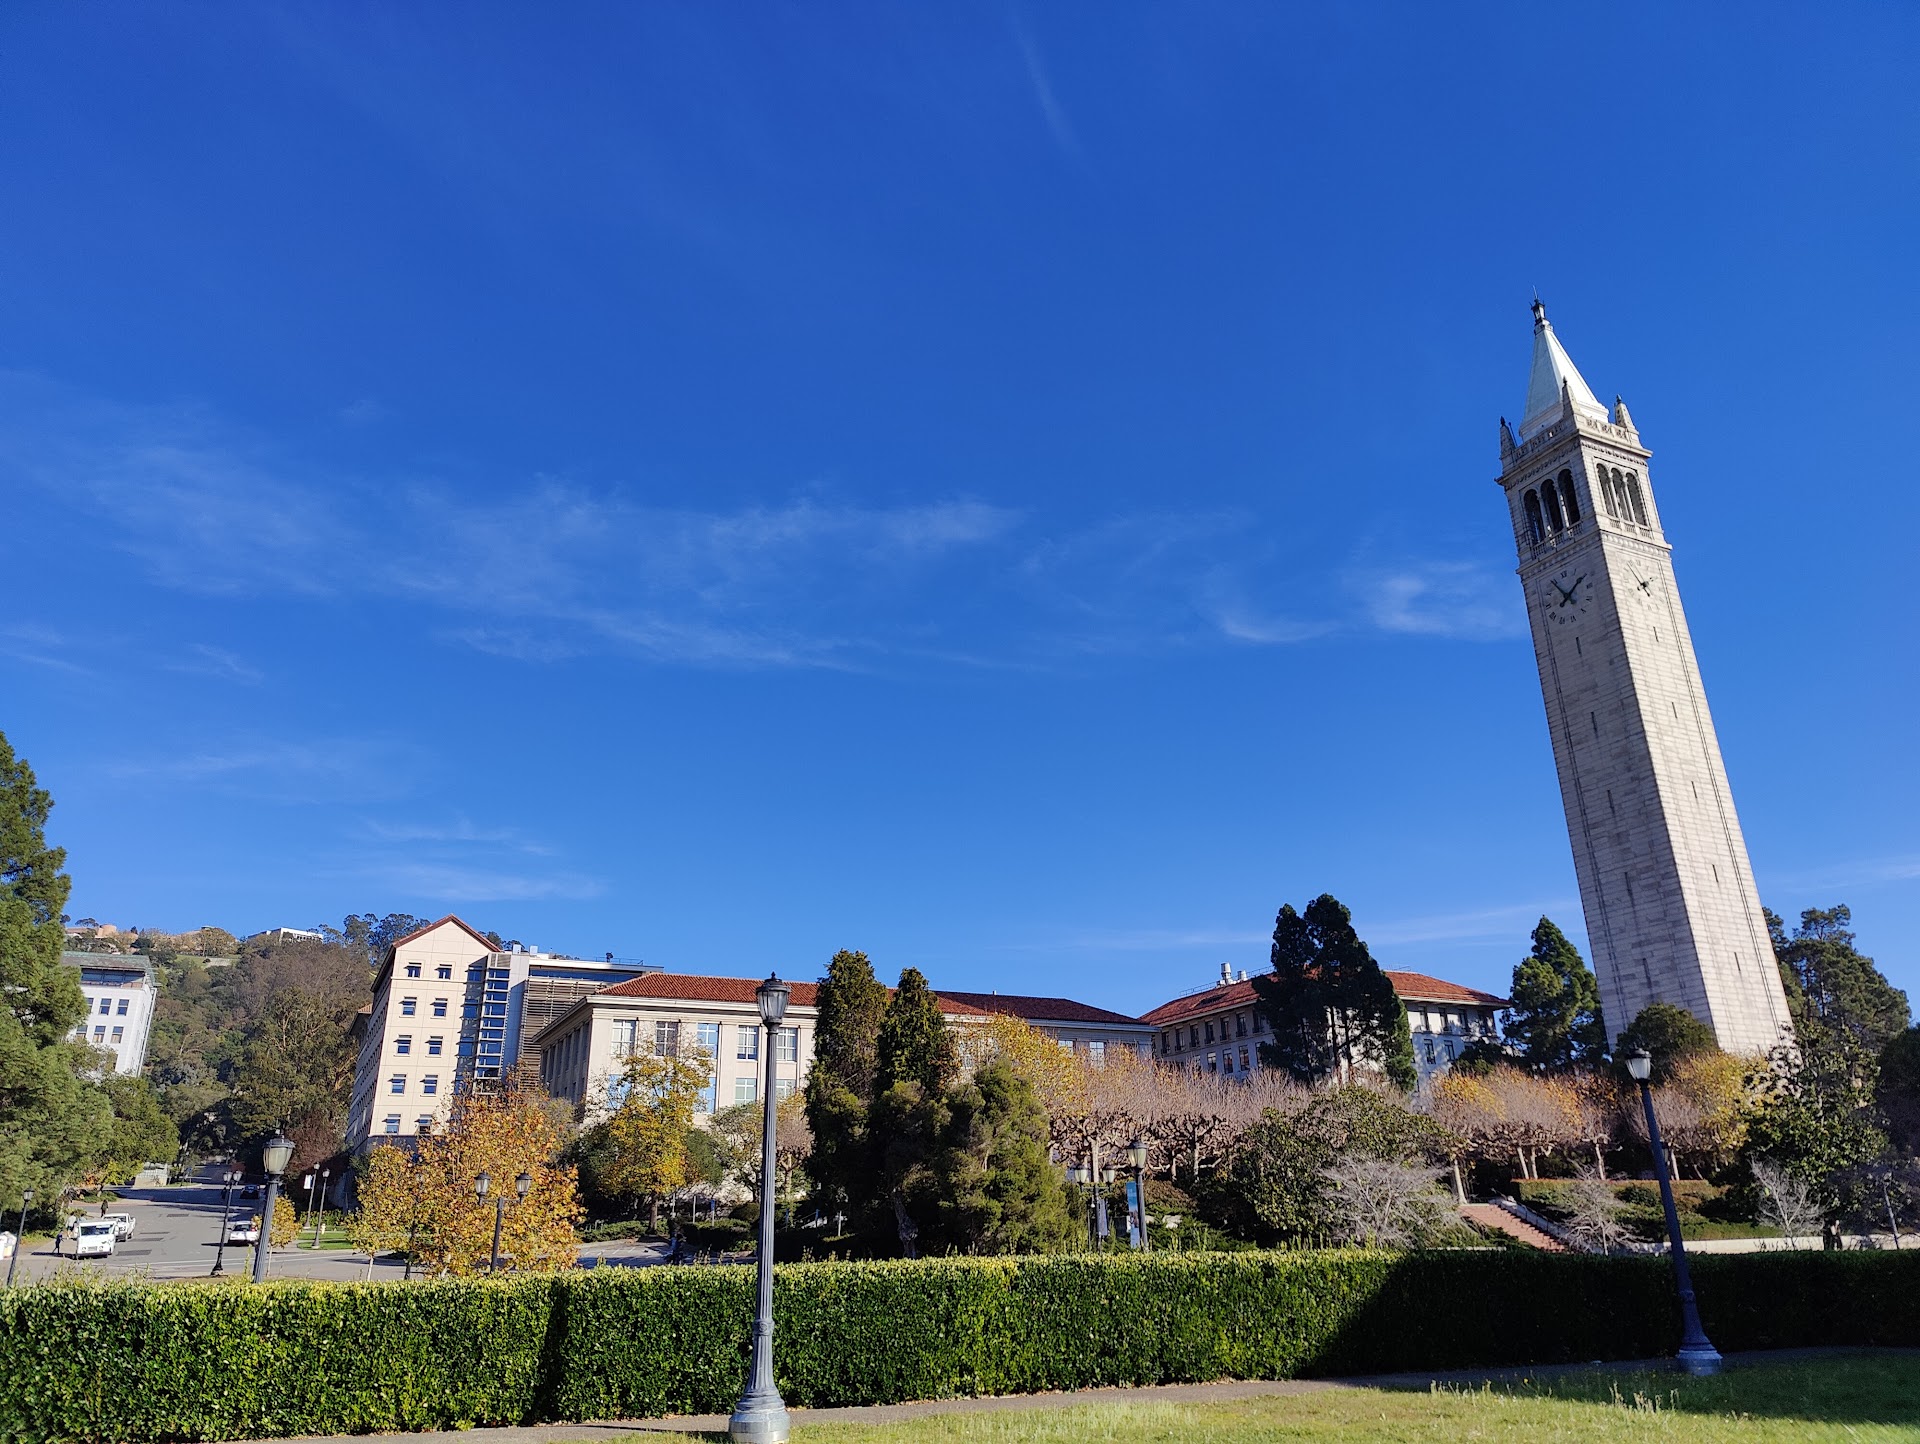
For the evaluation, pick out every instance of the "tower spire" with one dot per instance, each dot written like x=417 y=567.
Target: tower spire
x=1553 y=375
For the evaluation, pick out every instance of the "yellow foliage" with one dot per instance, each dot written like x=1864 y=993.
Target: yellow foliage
x=1057 y=1075
x=648 y=1130
x=428 y=1196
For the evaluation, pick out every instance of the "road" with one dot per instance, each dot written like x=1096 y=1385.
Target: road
x=176 y=1236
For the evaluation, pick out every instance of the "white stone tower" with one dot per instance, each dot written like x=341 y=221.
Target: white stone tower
x=1672 y=912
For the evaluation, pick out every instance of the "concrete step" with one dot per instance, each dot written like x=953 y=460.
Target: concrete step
x=1488 y=1215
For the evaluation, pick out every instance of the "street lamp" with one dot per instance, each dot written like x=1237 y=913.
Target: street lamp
x=1137 y=1156
x=274 y=1158
x=20 y=1235
x=227 y=1181
x=761 y=1414
x=320 y=1214
x=1697 y=1355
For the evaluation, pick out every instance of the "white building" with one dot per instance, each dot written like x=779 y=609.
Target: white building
x=120 y=992
x=450 y=1012
x=1079 y=1026
x=1220 y=1029
x=1672 y=911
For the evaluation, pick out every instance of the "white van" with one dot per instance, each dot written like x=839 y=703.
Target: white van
x=94 y=1238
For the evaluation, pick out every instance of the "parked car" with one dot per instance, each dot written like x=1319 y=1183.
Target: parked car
x=122 y=1225
x=252 y=1190
x=7 y=1242
x=93 y=1238
x=243 y=1230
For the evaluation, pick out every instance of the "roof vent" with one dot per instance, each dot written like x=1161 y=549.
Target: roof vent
x=1243 y=975
x=1226 y=972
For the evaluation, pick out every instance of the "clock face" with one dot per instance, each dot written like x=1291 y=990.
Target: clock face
x=1567 y=595
x=1644 y=584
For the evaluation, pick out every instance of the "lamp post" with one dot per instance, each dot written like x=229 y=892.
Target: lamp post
x=1137 y=1156
x=320 y=1215
x=1697 y=1355
x=761 y=1414
x=274 y=1158
x=20 y=1235
x=227 y=1181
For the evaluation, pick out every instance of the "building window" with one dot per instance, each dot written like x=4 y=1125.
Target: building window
x=1453 y=1049
x=444 y=972
x=746 y=1041
x=625 y=1030
x=439 y=1007
x=1246 y=1064
x=408 y=1007
x=1433 y=1051
x=786 y=1045
x=430 y=1084
x=413 y=970
x=1631 y=491
x=746 y=1088
x=433 y=1047
x=1567 y=499
x=1226 y=1062
x=392 y=1123
x=423 y=1124
x=782 y=1089
x=1209 y=1030
x=666 y=1039
x=397 y=1083
x=1240 y=1025
x=1536 y=527
x=403 y=1044
x=1550 y=500
x=706 y=1037
x=106 y=1006
x=1097 y=1053
x=122 y=1009
x=118 y=1033
x=1213 y=1062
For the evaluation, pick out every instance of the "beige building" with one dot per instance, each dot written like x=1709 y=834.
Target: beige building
x=1220 y=1029
x=449 y=1012
x=120 y=994
x=1079 y=1026
x=1672 y=911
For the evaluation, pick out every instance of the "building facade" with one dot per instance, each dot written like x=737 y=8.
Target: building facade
x=1079 y=1026
x=449 y=1012
x=1672 y=911
x=120 y=991
x=1220 y=1029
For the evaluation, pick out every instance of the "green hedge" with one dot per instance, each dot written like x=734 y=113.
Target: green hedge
x=210 y=1361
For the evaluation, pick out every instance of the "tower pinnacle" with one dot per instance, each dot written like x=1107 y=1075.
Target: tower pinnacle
x=1552 y=375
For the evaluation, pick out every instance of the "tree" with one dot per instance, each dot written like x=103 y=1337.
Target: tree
x=141 y=1133
x=851 y=1003
x=1840 y=1001
x=1594 y=1212
x=915 y=1044
x=1786 y=1202
x=999 y=1193
x=1328 y=1006
x=53 y=1124
x=429 y=1197
x=737 y=1132
x=1897 y=1089
x=1384 y=1202
x=1555 y=1022
x=1669 y=1033
x=647 y=1134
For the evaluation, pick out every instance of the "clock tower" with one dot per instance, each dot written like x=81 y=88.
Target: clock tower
x=1672 y=911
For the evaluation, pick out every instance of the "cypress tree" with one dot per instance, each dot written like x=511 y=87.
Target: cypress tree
x=915 y=1044
x=1555 y=1021
x=1328 y=1005
x=839 y=1093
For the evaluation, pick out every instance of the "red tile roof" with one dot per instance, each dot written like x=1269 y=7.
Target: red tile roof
x=1045 y=1010
x=1411 y=987
x=700 y=989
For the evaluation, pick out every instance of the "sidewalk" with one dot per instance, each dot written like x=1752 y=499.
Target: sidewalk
x=1218 y=1392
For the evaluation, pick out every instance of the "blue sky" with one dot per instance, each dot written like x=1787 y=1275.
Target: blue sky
x=1006 y=487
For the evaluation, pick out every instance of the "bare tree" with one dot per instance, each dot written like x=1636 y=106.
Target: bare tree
x=1593 y=1212
x=1785 y=1202
x=1385 y=1203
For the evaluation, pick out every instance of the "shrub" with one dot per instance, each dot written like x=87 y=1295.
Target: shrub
x=155 y=1362
x=625 y=1228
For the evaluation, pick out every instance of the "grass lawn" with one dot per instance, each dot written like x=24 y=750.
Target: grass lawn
x=1860 y=1398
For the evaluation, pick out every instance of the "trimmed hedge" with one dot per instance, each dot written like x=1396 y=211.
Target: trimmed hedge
x=204 y=1361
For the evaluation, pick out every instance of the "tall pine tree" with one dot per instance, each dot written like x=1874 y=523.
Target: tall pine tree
x=1555 y=1022
x=1329 y=1008
x=53 y=1125
x=851 y=1003
x=915 y=1044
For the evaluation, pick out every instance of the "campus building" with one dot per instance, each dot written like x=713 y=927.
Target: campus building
x=1079 y=1026
x=1219 y=1029
x=450 y=1011
x=120 y=991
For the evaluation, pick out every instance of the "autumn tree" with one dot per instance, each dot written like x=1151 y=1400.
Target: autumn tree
x=655 y=1097
x=429 y=1196
x=738 y=1132
x=1330 y=1009
x=1555 y=1021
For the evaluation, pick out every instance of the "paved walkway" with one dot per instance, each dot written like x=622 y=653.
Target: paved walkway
x=1221 y=1391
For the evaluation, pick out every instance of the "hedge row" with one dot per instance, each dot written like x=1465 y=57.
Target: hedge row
x=199 y=1361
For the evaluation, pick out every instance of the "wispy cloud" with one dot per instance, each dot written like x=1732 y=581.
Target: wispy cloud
x=345 y=769
x=1439 y=599
x=455 y=831
x=1041 y=84
x=205 y=661
x=453 y=884
x=1515 y=920
x=1858 y=872
x=1142 y=940
x=40 y=647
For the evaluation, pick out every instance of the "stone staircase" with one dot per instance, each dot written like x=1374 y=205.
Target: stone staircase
x=1491 y=1216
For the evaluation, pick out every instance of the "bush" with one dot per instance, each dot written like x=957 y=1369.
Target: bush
x=626 y=1228
x=721 y=1235
x=139 y=1362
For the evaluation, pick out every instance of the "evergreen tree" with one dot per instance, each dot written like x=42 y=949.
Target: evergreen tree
x=1897 y=1090
x=915 y=1043
x=998 y=1190
x=1555 y=1022
x=53 y=1125
x=851 y=1003
x=1844 y=1010
x=1327 y=1004
x=1669 y=1033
